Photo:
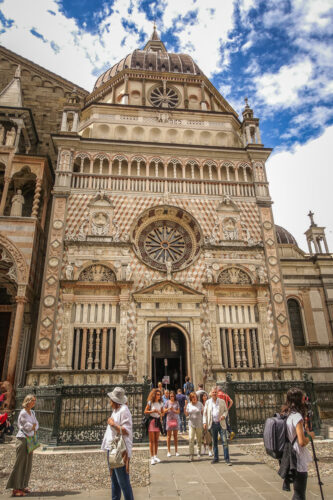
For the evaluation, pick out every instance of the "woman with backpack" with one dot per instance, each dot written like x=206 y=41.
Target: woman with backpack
x=295 y=409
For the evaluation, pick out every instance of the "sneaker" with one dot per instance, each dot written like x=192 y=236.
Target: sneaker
x=232 y=435
x=177 y=454
x=215 y=461
x=152 y=461
x=157 y=460
x=198 y=455
x=229 y=463
x=190 y=458
x=168 y=454
x=210 y=453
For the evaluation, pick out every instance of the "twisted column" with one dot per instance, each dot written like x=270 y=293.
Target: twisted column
x=35 y=203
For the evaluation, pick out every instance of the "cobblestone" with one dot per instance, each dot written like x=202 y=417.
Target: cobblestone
x=324 y=452
x=86 y=470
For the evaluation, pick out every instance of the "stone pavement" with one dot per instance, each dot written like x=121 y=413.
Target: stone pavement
x=176 y=478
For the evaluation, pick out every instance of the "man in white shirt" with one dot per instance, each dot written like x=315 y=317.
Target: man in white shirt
x=215 y=413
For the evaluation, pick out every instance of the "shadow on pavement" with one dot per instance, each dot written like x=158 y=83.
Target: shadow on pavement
x=38 y=494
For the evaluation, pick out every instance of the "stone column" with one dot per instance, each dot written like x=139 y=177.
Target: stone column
x=64 y=122
x=21 y=301
x=35 y=204
x=4 y=194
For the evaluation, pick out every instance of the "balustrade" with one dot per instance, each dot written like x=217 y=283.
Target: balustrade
x=94 y=348
x=158 y=185
x=240 y=348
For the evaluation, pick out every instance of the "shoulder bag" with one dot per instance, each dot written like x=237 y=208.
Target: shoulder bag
x=32 y=442
x=115 y=454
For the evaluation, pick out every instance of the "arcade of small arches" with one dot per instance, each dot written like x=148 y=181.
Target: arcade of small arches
x=175 y=168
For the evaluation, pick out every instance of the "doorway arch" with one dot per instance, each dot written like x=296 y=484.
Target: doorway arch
x=169 y=354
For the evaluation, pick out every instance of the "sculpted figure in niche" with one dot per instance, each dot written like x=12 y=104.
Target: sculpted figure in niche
x=261 y=274
x=209 y=274
x=17 y=204
x=128 y=272
x=10 y=137
x=2 y=134
x=69 y=272
x=229 y=229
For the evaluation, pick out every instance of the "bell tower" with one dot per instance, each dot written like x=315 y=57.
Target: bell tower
x=315 y=237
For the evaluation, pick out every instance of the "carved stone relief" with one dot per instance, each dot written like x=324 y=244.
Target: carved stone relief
x=234 y=275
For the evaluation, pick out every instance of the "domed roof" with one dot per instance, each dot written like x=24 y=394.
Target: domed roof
x=154 y=57
x=283 y=236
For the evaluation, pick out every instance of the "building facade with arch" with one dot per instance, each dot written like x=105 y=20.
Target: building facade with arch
x=162 y=255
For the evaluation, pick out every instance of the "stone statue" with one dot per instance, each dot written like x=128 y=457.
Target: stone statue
x=168 y=266
x=128 y=272
x=10 y=137
x=261 y=274
x=6 y=388
x=229 y=229
x=209 y=274
x=2 y=134
x=17 y=204
x=69 y=272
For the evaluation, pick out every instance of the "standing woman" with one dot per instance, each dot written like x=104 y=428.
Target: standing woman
x=120 y=422
x=194 y=410
x=295 y=409
x=206 y=435
x=154 y=409
x=27 y=426
x=172 y=410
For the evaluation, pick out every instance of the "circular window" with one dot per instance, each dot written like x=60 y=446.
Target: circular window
x=161 y=97
x=165 y=235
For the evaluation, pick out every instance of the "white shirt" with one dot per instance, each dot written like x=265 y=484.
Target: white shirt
x=25 y=423
x=195 y=415
x=121 y=416
x=156 y=406
x=216 y=411
x=303 y=455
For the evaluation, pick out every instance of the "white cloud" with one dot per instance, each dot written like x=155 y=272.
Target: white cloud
x=283 y=88
x=301 y=180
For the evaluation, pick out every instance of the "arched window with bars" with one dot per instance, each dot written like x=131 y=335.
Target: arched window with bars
x=296 y=322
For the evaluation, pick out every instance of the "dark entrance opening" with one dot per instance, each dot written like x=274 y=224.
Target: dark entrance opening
x=4 y=328
x=169 y=356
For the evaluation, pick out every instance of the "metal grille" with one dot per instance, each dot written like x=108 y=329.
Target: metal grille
x=94 y=348
x=240 y=348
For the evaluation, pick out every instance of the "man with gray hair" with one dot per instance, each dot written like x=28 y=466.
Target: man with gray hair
x=215 y=413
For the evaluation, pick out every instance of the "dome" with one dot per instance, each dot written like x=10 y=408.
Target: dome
x=154 y=57
x=284 y=237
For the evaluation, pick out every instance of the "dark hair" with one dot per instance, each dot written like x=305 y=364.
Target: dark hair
x=153 y=394
x=294 y=402
x=174 y=394
x=200 y=385
x=187 y=378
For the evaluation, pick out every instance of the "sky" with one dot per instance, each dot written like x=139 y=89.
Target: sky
x=278 y=53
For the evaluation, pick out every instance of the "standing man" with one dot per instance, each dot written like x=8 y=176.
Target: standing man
x=181 y=398
x=200 y=392
x=229 y=402
x=188 y=387
x=215 y=413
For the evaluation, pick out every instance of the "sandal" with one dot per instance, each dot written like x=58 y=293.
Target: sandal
x=19 y=493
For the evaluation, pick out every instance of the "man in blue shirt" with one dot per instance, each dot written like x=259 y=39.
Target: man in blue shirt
x=181 y=398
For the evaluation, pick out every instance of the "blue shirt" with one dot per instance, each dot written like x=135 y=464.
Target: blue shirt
x=181 y=398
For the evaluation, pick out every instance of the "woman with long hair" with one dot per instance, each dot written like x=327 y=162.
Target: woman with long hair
x=172 y=410
x=154 y=409
x=27 y=426
x=206 y=435
x=295 y=409
x=194 y=410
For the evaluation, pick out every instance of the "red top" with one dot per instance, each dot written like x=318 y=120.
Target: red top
x=2 y=396
x=223 y=395
x=3 y=418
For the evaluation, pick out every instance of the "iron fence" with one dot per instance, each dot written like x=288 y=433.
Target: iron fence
x=255 y=401
x=69 y=414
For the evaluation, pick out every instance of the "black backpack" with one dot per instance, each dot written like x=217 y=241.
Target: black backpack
x=275 y=435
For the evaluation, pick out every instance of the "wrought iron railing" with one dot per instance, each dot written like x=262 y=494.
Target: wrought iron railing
x=255 y=401
x=78 y=414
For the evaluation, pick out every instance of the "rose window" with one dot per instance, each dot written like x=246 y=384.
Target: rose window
x=166 y=235
x=166 y=242
x=164 y=97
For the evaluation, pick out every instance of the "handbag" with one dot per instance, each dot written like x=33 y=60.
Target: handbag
x=116 y=450
x=32 y=442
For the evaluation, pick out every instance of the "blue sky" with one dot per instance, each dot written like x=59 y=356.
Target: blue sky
x=277 y=53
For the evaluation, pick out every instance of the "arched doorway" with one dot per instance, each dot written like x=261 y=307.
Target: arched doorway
x=169 y=356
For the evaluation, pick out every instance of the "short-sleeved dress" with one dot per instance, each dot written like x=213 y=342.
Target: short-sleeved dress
x=171 y=415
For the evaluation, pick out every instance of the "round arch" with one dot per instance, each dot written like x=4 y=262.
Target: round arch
x=18 y=259
x=187 y=368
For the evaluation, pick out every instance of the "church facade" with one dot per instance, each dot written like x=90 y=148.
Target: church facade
x=162 y=256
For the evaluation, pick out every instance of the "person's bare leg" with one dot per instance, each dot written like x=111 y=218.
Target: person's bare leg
x=175 y=439
x=169 y=440
x=157 y=435
x=151 y=443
